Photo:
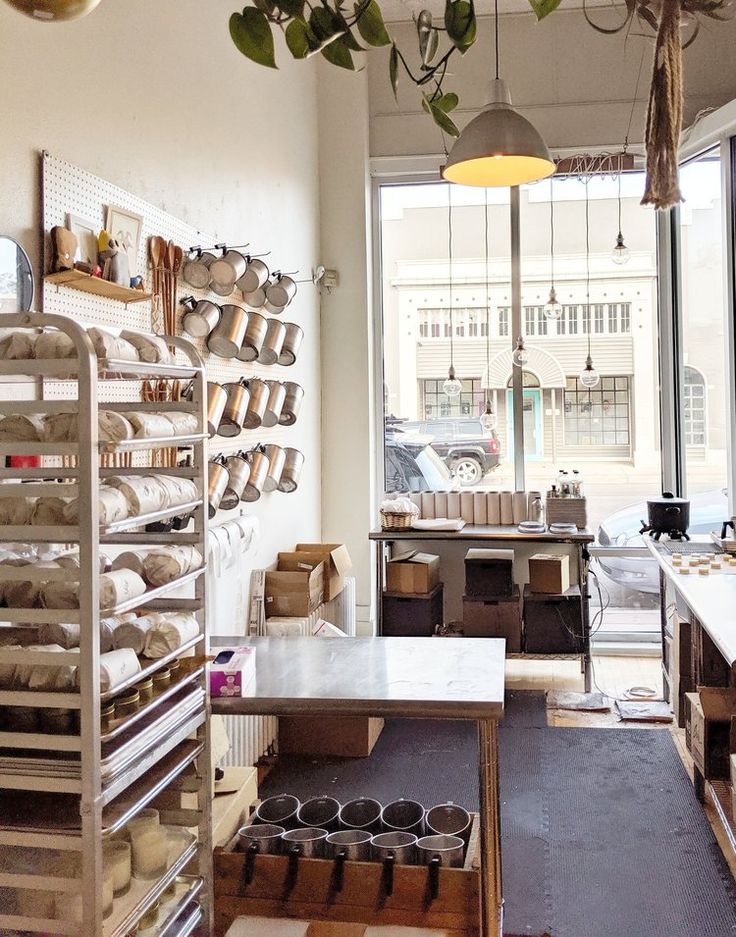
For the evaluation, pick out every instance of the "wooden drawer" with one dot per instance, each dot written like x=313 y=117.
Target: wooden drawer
x=361 y=900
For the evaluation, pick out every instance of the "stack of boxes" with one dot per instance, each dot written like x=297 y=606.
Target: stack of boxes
x=491 y=602
x=553 y=614
x=412 y=602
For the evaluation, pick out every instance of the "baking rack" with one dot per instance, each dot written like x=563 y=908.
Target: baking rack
x=76 y=790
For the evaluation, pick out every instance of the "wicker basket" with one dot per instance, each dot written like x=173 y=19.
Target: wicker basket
x=392 y=521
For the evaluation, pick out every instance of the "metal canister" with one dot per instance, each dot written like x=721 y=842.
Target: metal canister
x=273 y=342
x=292 y=343
x=292 y=470
x=321 y=812
x=227 y=337
x=258 y=473
x=217 y=481
x=292 y=403
x=280 y=809
x=398 y=846
x=276 y=459
x=233 y=416
x=255 y=298
x=225 y=270
x=255 y=275
x=239 y=472
x=308 y=842
x=354 y=845
x=362 y=813
x=216 y=400
x=274 y=404
x=200 y=317
x=196 y=270
x=255 y=334
x=405 y=815
x=259 y=393
x=444 y=849
x=448 y=820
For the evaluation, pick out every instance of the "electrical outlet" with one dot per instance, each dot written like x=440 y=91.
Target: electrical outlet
x=330 y=279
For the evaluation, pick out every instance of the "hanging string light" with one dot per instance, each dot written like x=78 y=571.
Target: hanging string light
x=488 y=418
x=452 y=386
x=589 y=377
x=620 y=252
x=553 y=307
x=520 y=355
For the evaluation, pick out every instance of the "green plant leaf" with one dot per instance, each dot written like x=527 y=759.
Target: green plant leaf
x=291 y=7
x=443 y=121
x=447 y=102
x=543 y=8
x=393 y=70
x=338 y=53
x=265 y=6
x=323 y=23
x=370 y=24
x=251 y=33
x=430 y=49
x=460 y=23
x=350 y=41
x=297 y=39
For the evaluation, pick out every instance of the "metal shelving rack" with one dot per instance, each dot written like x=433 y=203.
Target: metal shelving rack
x=178 y=749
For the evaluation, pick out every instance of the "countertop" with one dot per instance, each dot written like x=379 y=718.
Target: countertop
x=711 y=598
x=430 y=678
x=483 y=532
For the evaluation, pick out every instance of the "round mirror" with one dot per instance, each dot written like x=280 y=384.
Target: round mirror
x=16 y=277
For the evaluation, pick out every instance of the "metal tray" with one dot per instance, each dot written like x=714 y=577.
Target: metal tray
x=150 y=668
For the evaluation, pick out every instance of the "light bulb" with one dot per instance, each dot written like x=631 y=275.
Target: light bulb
x=488 y=418
x=553 y=308
x=589 y=377
x=452 y=387
x=520 y=355
x=620 y=252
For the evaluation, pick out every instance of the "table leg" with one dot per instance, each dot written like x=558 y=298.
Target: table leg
x=583 y=558
x=380 y=548
x=490 y=831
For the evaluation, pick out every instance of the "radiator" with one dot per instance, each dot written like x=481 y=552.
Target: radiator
x=251 y=737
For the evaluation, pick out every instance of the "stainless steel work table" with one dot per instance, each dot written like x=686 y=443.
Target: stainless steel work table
x=422 y=678
x=506 y=535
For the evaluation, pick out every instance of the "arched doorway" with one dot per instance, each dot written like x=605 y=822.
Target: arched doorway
x=533 y=415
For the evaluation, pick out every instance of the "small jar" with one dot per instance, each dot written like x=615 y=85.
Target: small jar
x=174 y=667
x=57 y=721
x=145 y=689
x=161 y=680
x=150 y=854
x=21 y=718
x=107 y=714
x=146 y=819
x=127 y=703
x=116 y=856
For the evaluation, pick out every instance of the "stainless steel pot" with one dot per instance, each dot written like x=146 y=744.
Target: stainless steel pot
x=281 y=291
x=196 y=270
x=441 y=849
x=292 y=403
x=255 y=275
x=217 y=481
x=363 y=813
x=308 y=842
x=292 y=470
x=354 y=845
x=449 y=820
x=258 y=474
x=405 y=815
x=200 y=316
x=239 y=471
x=321 y=812
x=227 y=336
x=255 y=333
x=276 y=459
x=226 y=270
x=233 y=416
x=398 y=847
x=273 y=342
x=255 y=298
x=216 y=400
x=259 y=393
x=292 y=343
x=266 y=837
x=280 y=809
x=276 y=398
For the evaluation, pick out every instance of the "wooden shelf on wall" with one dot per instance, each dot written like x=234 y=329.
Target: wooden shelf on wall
x=77 y=280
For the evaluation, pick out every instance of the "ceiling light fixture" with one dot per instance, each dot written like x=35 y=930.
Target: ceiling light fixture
x=589 y=377
x=452 y=386
x=53 y=10
x=620 y=252
x=499 y=147
x=553 y=307
x=520 y=355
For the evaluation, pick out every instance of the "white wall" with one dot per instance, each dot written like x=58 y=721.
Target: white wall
x=155 y=98
x=573 y=83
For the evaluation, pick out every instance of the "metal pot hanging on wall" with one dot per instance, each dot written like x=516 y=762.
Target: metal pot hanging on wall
x=292 y=470
x=233 y=416
x=292 y=403
x=258 y=473
x=196 y=270
x=200 y=317
x=217 y=482
x=276 y=398
x=239 y=472
x=276 y=459
x=255 y=333
x=259 y=392
x=292 y=343
x=227 y=336
x=273 y=342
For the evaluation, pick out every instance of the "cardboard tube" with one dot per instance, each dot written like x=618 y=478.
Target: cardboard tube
x=428 y=505
x=453 y=505
x=440 y=504
x=480 y=514
x=519 y=506
x=466 y=506
x=507 y=507
x=493 y=507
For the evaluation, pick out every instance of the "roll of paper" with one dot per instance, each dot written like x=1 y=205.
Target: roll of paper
x=466 y=506
x=519 y=506
x=493 y=508
x=440 y=504
x=507 y=507
x=416 y=498
x=117 y=666
x=133 y=633
x=480 y=511
x=453 y=505
x=428 y=504
x=130 y=559
x=120 y=586
x=169 y=633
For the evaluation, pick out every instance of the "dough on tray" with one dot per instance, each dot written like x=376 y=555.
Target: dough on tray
x=150 y=425
x=111 y=346
x=150 y=348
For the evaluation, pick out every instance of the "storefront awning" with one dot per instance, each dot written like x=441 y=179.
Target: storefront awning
x=541 y=363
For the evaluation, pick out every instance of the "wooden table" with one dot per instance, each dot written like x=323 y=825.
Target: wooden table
x=508 y=536
x=422 y=678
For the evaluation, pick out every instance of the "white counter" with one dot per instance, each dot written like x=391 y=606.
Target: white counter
x=712 y=599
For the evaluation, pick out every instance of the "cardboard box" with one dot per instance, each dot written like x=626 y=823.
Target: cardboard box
x=334 y=736
x=489 y=573
x=413 y=573
x=412 y=616
x=549 y=573
x=494 y=618
x=294 y=594
x=710 y=713
x=337 y=562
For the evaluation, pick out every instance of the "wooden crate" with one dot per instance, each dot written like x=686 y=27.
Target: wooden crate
x=362 y=899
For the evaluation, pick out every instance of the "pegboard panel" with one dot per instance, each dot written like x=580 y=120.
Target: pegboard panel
x=69 y=189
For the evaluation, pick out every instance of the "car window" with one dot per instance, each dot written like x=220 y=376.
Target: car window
x=411 y=474
x=437 y=428
x=469 y=428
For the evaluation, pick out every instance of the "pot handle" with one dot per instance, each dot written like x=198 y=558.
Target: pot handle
x=434 y=877
x=673 y=509
x=293 y=869
x=667 y=494
x=189 y=301
x=338 y=876
x=388 y=873
x=250 y=862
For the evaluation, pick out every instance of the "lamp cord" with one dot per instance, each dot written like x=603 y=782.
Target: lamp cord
x=449 y=256
x=552 y=231
x=587 y=261
x=498 y=58
x=488 y=308
x=620 y=170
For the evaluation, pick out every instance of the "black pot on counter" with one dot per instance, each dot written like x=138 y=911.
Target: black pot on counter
x=667 y=515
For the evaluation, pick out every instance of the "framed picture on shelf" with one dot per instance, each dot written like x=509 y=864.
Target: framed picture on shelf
x=86 y=233
x=125 y=226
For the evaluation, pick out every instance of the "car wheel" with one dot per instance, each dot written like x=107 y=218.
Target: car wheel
x=467 y=471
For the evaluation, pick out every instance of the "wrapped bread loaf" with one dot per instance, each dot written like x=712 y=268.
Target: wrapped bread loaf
x=32 y=676
x=7 y=670
x=27 y=594
x=111 y=427
x=111 y=506
x=70 y=561
x=48 y=512
x=150 y=348
x=107 y=629
x=53 y=344
x=165 y=564
x=144 y=493
x=107 y=345
x=169 y=632
x=133 y=633
x=185 y=424
x=17 y=345
x=15 y=510
x=22 y=428
x=116 y=667
x=65 y=635
x=120 y=586
x=147 y=425
x=131 y=559
x=60 y=594
x=178 y=490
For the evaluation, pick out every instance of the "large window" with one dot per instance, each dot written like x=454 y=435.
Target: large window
x=438 y=404
x=597 y=417
x=693 y=399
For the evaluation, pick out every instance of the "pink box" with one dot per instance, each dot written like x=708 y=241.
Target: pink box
x=232 y=671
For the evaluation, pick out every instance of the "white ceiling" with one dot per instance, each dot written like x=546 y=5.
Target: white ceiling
x=397 y=11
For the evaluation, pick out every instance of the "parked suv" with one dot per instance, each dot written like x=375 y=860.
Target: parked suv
x=468 y=450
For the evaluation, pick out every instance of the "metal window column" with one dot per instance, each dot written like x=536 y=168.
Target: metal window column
x=728 y=161
x=517 y=374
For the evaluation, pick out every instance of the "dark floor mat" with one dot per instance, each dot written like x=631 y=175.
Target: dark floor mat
x=525 y=708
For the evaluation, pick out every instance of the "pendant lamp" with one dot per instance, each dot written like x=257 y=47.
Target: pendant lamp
x=620 y=252
x=452 y=386
x=589 y=377
x=553 y=307
x=499 y=147
x=53 y=10
x=520 y=356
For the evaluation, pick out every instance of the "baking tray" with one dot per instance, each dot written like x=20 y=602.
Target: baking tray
x=150 y=594
x=150 y=667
